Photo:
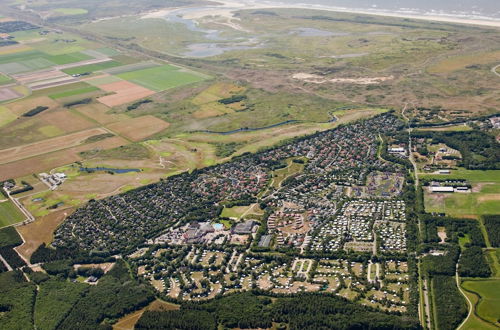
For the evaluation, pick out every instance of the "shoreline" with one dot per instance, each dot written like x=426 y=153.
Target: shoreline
x=229 y=6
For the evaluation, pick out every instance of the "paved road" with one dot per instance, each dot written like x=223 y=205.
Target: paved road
x=5 y=263
x=494 y=70
x=427 y=307
x=469 y=303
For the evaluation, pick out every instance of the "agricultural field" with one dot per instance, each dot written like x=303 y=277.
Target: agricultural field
x=92 y=67
x=4 y=79
x=70 y=11
x=10 y=214
x=162 y=77
x=487 y=293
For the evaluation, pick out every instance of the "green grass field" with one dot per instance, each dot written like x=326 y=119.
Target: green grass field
x=470 y=175
x=36 y=60
x=234 y=212
x=458 y=204
x=74 y=92
x=6 y=116
x=4 y=79
x=9 y=214
x=161 y=77
x=489 y=298
x=92 y=67
x=71 y=11
x=487 y=183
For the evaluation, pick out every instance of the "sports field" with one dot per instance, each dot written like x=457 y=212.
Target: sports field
x=9 y=214
x=162 y=77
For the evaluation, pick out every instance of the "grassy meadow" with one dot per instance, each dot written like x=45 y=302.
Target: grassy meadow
x=10 y=214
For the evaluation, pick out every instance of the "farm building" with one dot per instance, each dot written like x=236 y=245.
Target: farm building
x=442 y=189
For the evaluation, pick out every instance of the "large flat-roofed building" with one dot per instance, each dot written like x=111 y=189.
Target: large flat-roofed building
x=442 y=189
x=243 y=227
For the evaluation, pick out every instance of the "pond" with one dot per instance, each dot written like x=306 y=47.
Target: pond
x=213 y=49
x=311 y=32
x=107 y=169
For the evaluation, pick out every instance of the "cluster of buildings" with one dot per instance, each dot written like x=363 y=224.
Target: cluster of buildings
x=52 y=180
x=364 y=221
x=183 y=208
x=207 y=272
x=207 y=233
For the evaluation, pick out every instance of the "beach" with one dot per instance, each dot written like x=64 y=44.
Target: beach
x=227 y=8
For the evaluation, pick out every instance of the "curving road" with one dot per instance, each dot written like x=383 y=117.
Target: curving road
x=494 y=70
x=469 y=303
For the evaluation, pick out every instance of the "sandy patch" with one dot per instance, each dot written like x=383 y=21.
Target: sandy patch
x=139 y=128
x=106 y=267
x=125 y=92
x=479 y=186
x=488 y=197
x=441 y=232
x=46 y=146
x=128 y=322
x=316 y=79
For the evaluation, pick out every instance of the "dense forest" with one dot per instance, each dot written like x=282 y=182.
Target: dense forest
x=9 y=238
x=116 y=295
x=250 y=310
x=455 y=228
x=450 y=306
x=441 y=264
x=479 y=150
x=492 y=224
x=16 y=301
x=473 y=263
